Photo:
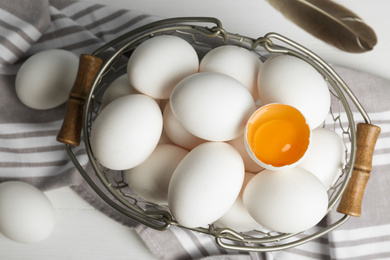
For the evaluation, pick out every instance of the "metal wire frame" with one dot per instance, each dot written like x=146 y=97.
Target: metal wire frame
x=159 y=218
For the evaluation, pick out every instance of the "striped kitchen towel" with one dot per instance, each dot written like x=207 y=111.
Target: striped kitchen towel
x=29 y=151
x=28 y=147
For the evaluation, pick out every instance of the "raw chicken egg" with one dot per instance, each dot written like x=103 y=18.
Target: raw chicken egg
x=326 y=157
x=205 y=184
x=250 y=164
x=177 y=133
x=118 y=88
x=46 y=78
x=126 y=131
x=212 y=106
x=289 y=80
x=277 y=136
x=287 y=201
x=26 y=214
x=237 y=217
x=236 y=62
x=151 y=178
x=159 y=63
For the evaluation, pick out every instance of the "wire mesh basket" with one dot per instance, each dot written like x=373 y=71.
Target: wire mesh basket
x=107 y=63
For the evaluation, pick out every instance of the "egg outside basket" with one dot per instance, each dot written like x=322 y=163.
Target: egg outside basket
x=98 y=70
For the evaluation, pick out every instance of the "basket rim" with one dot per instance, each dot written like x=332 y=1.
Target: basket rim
x=267 y=42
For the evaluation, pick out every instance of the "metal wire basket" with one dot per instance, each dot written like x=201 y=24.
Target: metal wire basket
x=98 y=70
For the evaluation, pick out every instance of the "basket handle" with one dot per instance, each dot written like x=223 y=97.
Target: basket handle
x=70 y=131
x=351 y=201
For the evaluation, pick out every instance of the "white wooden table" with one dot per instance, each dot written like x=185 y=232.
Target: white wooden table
x=83 y=232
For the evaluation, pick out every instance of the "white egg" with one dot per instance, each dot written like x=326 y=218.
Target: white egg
x=237 y=217
x=205 y=184
x=159 y=63
x=326 y=157
x=118 y=88
x=250 y=164
x=26 y=214
x=212 y=106
x=177 y=133
x=151 y=178
x=45 y=79
x=286 y=201
x=126 y=132
x=234 y=61
x=289 y=80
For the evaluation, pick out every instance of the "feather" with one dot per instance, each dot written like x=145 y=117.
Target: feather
x=330 y=22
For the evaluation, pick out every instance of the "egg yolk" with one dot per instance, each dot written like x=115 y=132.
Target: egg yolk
x=278 y=134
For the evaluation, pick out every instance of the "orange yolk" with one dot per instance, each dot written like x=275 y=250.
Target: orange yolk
x=278 y=134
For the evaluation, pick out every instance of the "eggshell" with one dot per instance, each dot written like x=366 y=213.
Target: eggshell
x=118 y=88
x=151 y=178
x=126 y=132
x=26 y=214
x=286 y=201
x=277 y=136
x=237 y=217
x=234 y=61
x=326 y=157
x=159 y=63
x=212 y=106
x=250 y=164
x=289 y=80
x=177 y=133
x=205 y=184
x=45 y=79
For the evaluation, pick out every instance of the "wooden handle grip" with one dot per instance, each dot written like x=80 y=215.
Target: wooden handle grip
x=351 y=201
x=70 y=131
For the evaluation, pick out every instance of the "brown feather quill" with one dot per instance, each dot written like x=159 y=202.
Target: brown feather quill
x=330 y=22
